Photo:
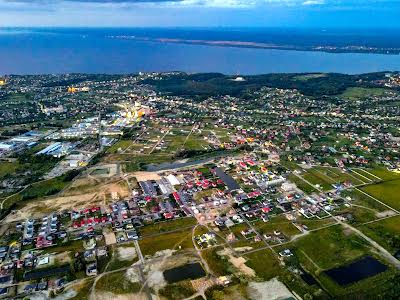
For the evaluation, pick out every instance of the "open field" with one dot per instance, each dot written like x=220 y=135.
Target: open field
x=45 y=205
x=117 y=283
x=339 y=176
x=278 y=223
x=7 y=168
x=302 y=185
x=386 y=232
x=264 y=263
x=218 y=264
x=383 y=173
x=387 y=192
x=167 y=226
x=167 y=241
x=357 y=93
x=331 y=247
x=318 y=178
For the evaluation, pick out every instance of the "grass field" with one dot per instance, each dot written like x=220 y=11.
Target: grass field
x=318 y=178
x=361 y=199
x=338 y=175
x=330 y=247
x=219 y=265
x=384 y=174
x=357 y=93
x=167 y=226
x=37 y=190
x=301 y=184
x=264 y=264
x=387 y=192
x=315 y=223
x=279 y=223
x=7 y=168
x=386 y=232
x=117 y=283
x=174 y=241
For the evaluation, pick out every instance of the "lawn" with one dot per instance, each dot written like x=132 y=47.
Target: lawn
x=219 y=265
x=361 y=199
x=316 y=177
x=173 y=241
x=330 y=247
x=117 y=283
x=387 y=192
x=338 y=175
x=301 y=184
x=279 y=223
x=264 y=263
x=358 y=93
x=385 y=232
x=7 y=168
x=120 y=145
x=384 y=174
x=167 y=226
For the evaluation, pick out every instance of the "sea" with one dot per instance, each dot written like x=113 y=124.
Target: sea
x=102 y=50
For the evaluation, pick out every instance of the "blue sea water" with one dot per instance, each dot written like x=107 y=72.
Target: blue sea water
x=27 y=51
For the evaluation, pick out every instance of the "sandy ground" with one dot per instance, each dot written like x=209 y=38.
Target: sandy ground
x=238 y=263
x=132 y=275
x=126 y=253
x=154 y=269
x=386 y=213
x=143 y=176
x=268 y=290
x=109 y=238
x=39 y=208
x=108 y=296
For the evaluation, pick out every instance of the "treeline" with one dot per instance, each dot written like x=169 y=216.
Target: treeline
x=214 y=84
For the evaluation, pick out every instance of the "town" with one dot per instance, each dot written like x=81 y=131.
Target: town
x=200 y=186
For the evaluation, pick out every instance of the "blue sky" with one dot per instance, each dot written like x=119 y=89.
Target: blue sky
x=203 y=13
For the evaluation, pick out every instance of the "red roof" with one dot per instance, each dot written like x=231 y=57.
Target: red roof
x=176 y=196
x=265 y=209
x=168 y=215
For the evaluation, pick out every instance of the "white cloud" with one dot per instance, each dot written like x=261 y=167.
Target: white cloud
x=314 y=2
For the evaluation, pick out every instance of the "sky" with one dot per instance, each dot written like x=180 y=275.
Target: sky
x=201 y=13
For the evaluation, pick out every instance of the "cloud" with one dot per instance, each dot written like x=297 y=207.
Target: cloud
x=314 y=2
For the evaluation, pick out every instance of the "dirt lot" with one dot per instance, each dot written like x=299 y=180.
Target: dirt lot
x=143 y=176
x=108 y=296
x=238 y=262
x=268 y=290
x=100 y=196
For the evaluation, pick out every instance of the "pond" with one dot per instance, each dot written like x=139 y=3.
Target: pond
x=356 y=271
x=188 y=271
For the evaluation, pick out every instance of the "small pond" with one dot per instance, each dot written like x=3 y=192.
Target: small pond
x=188 y=271
x=356 y=271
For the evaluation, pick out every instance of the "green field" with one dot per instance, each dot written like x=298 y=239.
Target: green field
x=318 y=178
x=331 y=247
x=279 y=223
x=7 y=168
x=167 y=226
x=301 y=184
x=387 y=192
x=264 y=263
x=117 y=283
x=357 y=93
x=386 y=232
x=338 y=175
x=219 y=265
x=173 y=241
